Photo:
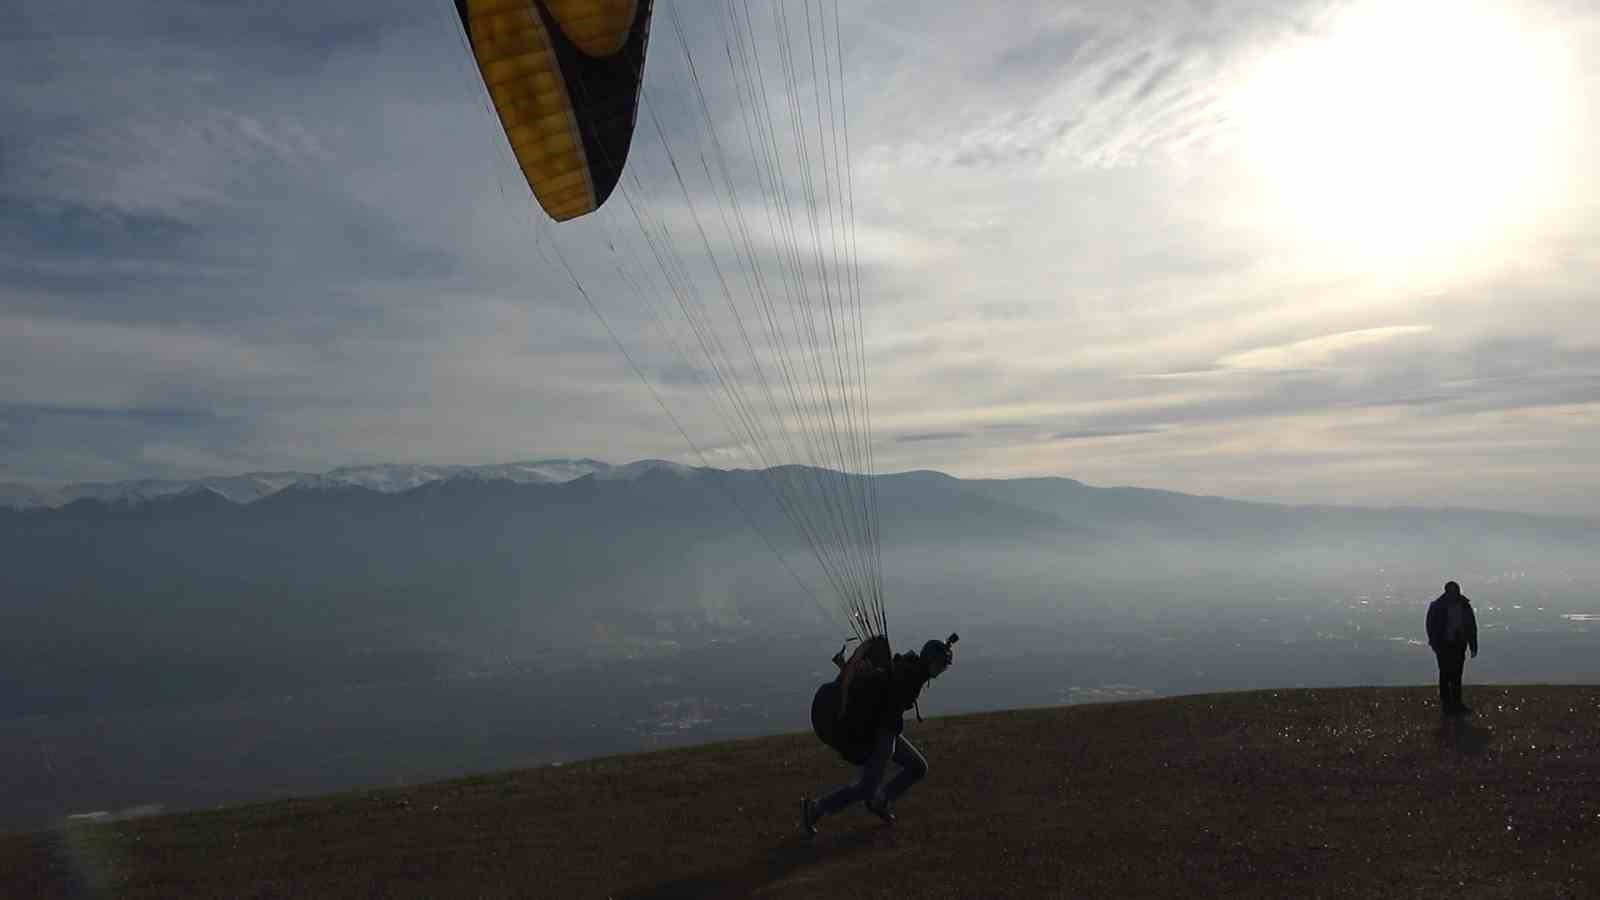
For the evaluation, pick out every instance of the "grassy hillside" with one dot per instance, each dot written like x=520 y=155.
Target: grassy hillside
x=1332 y=793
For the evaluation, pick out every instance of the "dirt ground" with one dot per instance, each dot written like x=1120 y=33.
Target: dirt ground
x=1359 y=792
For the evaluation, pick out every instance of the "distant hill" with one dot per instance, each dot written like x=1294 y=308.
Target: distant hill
x=1349 y=793
x=180 y=594
x=1168 y=513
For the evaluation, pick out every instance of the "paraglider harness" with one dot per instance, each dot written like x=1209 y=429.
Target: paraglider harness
x=845 y=712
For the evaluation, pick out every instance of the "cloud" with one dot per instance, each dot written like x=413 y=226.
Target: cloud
x=1046 y=54
x=1316 y=352
x=1084 y=434
x=300 y=229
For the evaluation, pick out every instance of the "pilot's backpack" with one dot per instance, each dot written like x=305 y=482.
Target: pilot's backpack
x=844 y=711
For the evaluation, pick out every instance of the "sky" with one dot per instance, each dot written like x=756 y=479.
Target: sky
x=1336 y=252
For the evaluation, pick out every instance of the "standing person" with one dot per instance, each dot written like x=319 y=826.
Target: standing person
x=1452 y=630
x=894 y=691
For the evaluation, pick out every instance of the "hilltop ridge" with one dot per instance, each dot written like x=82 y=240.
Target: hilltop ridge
x=1358 y=792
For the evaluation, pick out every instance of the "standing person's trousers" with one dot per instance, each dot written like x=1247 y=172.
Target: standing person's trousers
x=1452 y=658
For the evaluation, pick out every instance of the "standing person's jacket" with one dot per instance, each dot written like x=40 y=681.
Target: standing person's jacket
x=1439 y=619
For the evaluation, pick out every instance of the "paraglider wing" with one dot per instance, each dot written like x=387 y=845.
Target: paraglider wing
x=564 y=76
x=765 y=312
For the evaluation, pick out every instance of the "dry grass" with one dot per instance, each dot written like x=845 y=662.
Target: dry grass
x=1327 y=793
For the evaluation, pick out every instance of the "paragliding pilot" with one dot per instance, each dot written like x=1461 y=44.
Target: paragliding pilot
x=861 y=714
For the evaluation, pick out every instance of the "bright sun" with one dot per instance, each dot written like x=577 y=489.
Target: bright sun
x=1406 y=128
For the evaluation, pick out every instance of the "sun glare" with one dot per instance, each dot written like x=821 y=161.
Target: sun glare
x=1407 y=128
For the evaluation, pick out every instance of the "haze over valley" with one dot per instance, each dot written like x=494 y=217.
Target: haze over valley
x=172 y=646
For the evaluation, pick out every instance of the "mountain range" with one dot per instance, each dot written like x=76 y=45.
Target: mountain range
x=388 y=478
x=158 y=592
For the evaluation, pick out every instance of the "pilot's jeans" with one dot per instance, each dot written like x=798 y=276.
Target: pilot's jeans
x=886 y=746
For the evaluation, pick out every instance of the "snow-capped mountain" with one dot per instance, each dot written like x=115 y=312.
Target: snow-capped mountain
x=387 y=478
x=392 y=478
x=22 y=496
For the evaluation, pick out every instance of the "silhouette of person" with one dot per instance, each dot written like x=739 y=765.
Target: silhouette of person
x=1452 y=630
x=900 y=684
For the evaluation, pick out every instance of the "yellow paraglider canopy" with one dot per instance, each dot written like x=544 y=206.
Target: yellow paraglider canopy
x=564 y=76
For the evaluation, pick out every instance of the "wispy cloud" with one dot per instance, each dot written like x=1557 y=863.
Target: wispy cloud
x=1084 y=434
x=1320 y=351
